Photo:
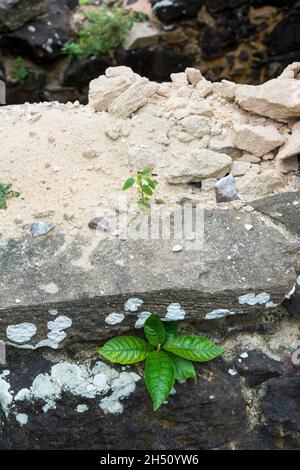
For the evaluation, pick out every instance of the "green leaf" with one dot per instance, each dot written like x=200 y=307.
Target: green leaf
x=147 y=172
x=195 y=348
x=184 y=368
x=128 y=183
x=151 y=183
x=125 y=350
x=159 y=377
x=147 y=190
x=154 y=330
x=171 y=327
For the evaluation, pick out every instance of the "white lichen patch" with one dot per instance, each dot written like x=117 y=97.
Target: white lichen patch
x=244 y=355
x=133 y=304
x=122 y=387
x=219 y=313
x=82 y=408
x=174 y=313
x=79 y=380
x=142 y=317
x=52 y=311
x=22 y=418
x=271 y=304
x=114 y=318
x=252 y=299
x=56 y=334
x=21 y=333
x=6 y=396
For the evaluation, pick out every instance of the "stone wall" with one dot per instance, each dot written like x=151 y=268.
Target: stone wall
x=70 y=279
x=248 y=42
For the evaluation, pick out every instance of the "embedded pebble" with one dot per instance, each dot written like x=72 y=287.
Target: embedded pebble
x=41 y=228
x=232 y=372
x=177 y=248
x=248 y=227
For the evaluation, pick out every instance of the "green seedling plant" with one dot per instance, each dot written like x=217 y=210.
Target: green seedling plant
x=146 y=186
x=168 y=355
x=19 y=72
x=6 y=192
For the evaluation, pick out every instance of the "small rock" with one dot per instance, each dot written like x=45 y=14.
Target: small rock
x=209 y=184
x=198 y=166
x=255 y=186
x=41 y=228
x=226 y=189
x=90 y=154
x=240 y=168
x=177 y=248
x=248 y=227
x=257 y=368
x=193 y=75
x=141 y=35
x=100 y=223
x=258 y=140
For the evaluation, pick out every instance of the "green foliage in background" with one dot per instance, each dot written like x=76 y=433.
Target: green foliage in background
x=103 y=30
x=168 y=356
x=6 y=192
x=19 y=72
x=145 y=187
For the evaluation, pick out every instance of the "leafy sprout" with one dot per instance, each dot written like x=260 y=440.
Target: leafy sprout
x=168 y=355
x=103 y=30
x=146 y=186
x=19 y=72
x=6 y=192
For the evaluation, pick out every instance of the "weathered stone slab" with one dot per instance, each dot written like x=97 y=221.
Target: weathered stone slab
x=41 y=274
x=283 y=208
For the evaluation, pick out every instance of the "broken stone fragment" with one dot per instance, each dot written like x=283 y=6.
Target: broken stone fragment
x=105 y=89
x=197 y=126
x=142 y=157
x=141 y=35
x=292 y=145
x=41 y=228
x=277 y=98
x=239 y=168
x=257 y=140
x=90 y=154
x=193 y=76
x=257 y=367
x=254 y=185
x=226 y=89
x=225 y=142
x=99 y=223
x=226 y=189
x=199 y=165
x=135 y=97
